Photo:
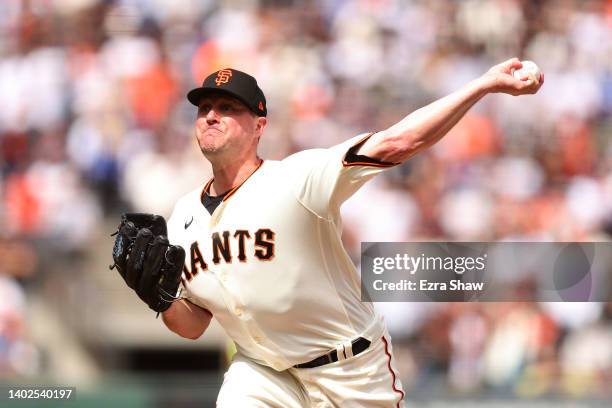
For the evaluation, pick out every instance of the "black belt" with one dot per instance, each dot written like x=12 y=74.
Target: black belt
x=358 y=345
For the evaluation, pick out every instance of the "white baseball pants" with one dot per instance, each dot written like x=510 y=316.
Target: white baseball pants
x=366 y=380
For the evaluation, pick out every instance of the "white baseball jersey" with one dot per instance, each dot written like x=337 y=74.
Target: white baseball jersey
x=269 y=262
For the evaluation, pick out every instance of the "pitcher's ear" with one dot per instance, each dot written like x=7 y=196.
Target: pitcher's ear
x=261 y=123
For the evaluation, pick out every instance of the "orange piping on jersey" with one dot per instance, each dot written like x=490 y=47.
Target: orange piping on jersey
x=392 y=372
x=347 y=164
x=206 y=188
x=368 y=164
x=233 y=190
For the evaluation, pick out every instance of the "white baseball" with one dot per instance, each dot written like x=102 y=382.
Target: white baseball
x=529 y=68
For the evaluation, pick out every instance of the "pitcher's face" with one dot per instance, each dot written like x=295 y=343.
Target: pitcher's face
x=225 y=125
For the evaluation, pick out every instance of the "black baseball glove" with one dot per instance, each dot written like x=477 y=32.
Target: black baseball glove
x=146 y=260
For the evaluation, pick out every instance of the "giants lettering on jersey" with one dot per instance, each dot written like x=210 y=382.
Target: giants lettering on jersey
x=222 y=244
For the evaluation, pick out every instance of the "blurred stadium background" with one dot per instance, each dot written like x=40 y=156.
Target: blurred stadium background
x=93 y=122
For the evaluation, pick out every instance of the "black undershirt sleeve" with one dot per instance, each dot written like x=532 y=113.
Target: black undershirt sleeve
x=353 y=157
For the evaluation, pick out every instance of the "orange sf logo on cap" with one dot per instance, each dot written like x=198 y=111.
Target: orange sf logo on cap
x=223 y=76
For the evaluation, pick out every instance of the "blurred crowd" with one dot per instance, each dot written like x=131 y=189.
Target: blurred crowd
x=93 y=121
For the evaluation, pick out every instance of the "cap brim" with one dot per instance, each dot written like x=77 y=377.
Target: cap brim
x=195 y=95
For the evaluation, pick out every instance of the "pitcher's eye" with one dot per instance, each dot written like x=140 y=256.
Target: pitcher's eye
x=226 y=107
x=204 y=108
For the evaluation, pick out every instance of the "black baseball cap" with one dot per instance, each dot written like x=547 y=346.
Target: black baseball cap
x=235 y=83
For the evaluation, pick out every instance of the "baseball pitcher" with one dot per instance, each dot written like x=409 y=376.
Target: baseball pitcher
x=258 y=247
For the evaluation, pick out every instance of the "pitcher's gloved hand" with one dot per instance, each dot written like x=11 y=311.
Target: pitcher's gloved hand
x=146 y=261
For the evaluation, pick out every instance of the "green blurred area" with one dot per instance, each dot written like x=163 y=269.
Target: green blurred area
x=130 y=391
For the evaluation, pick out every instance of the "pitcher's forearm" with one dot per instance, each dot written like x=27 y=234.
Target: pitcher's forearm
x=186 y=319
x=425 y=126
x=429 y=124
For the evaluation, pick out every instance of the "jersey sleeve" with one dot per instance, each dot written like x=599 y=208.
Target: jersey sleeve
x=324 y=178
